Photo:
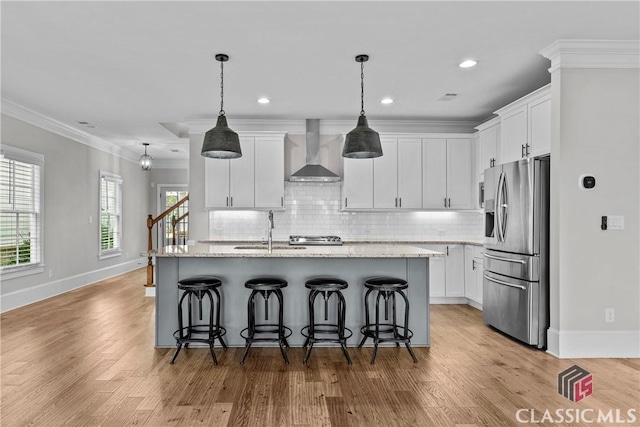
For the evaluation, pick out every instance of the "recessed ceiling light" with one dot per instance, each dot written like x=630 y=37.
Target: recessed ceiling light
x=468 y=63
x=263 y=100
x=386 y=101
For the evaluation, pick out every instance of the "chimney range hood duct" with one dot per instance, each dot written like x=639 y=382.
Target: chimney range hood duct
x=313 y=171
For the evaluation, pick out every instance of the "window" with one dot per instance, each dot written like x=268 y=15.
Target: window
x=110 y=215
x=20 y=211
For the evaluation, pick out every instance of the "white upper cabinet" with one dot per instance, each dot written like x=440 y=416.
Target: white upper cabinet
x=255 y=180
x=526 y=126
x=397 y=175
x=269 y=172
x=410 y=173
x=446 y=177
x=357 y=185
x=489 y=144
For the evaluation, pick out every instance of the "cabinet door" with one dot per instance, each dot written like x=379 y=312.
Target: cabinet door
x=459 y=174
x=454 y=271
x=540 y=127
x=434 y=173
x=216 y=185
x=269 y=172
x=470 y=286
x=488 y=147
x=241 y=176
x=357 y=185
x=410 y=173
x=513 y=134
x=385 y=176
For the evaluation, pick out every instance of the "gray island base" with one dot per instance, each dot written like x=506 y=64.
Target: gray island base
x=235 y=266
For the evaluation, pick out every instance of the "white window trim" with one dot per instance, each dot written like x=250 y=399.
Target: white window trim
x=112 y=253
x=20 y=155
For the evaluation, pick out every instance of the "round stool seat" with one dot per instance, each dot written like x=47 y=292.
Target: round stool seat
x=326 y=284
x=199 y=282
x=265 y=284
x=386 y=283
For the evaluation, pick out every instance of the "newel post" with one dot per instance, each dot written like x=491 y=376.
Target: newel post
x=149 y=249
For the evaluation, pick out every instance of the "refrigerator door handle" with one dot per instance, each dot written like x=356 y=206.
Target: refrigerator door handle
x=500 y=282
x=504 y=207
x=497 y=258
x=499 y=230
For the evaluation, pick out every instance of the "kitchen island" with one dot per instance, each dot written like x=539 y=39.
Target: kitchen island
x=235 y=263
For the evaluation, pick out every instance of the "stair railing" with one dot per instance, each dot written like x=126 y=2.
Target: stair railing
x=151 y=221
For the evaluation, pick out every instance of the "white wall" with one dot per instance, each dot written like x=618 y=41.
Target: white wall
x=71 y=191
x=596 y=130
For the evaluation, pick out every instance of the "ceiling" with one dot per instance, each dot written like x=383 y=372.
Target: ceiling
x=129 y=67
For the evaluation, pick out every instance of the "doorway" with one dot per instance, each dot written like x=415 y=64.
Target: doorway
x=169 y=195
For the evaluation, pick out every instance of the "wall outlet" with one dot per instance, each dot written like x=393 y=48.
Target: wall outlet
x=90 y=219
x=609 y=315
x=50 y=273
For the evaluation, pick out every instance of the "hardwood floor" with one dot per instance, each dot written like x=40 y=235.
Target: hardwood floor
x=86 y=358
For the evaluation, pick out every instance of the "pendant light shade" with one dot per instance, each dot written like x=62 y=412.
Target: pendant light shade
x=146 y=160
x=362 y=142
x=221 y=142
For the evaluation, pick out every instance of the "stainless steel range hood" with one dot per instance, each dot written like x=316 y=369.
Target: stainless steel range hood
x=313 y=171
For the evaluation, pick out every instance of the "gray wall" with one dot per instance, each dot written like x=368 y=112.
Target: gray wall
x=71 y=189
x=596 y=130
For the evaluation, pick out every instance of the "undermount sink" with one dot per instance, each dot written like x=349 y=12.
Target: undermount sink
x=265 y=247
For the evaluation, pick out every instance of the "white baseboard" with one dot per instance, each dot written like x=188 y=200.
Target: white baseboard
x=593 y=344
x=150 y=291
x=27 y=296
x=475 y=304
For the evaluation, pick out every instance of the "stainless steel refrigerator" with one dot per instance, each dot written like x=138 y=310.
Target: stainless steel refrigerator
x=516 y=264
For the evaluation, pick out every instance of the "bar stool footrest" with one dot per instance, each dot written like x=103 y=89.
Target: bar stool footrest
x=266 y=329
x=386 y=329
x=326 y=328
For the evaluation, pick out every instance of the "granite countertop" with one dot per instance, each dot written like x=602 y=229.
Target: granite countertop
x=282 y=250
x=439 y=241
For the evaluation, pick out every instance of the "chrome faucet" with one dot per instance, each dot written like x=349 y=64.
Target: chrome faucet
x=270 y=239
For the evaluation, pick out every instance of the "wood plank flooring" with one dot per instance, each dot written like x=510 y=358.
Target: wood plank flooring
x=86 y=358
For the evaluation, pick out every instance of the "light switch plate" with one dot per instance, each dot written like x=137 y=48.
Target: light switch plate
x=615 y=222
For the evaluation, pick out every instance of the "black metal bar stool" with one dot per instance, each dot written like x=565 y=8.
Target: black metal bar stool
x=327 y=286
x=386 y=288
x=265 y=286
x=196 y=288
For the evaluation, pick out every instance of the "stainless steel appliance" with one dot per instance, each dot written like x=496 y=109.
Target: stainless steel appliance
x=315 y=240
x=516 y=264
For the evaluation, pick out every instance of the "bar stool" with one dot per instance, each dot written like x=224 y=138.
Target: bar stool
x=386 y=288
x=197 y=287
x=327 y=286
x=265 y=286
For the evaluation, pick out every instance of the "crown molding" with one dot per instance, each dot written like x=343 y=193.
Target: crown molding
x=593 y=54
x=279 y=126
x=27 y=115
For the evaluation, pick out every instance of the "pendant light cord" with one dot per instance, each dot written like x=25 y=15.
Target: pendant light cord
x=221 y=88
x=362 y=88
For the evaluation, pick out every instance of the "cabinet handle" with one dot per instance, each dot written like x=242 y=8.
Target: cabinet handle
x=400 y=204
x=473 y=264
x=396 y=202
x=345 y=202
x=527 y=150
x=231 y=198
x=445 y=202
x=227 y=201
x=522 y=151
x=449 y=199
x=447 y=250
x=281 y=201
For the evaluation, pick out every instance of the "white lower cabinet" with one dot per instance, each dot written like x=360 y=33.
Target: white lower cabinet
x=473 y=275
x=446 y=274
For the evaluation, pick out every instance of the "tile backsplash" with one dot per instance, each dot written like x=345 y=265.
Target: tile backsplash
x=314 y=209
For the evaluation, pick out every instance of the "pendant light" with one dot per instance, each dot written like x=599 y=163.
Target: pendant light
x=362 y=142
x=221 y=142
x=146 y=160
